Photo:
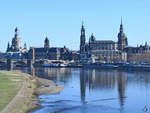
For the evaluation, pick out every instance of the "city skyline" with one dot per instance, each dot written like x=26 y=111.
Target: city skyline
x=36 y=20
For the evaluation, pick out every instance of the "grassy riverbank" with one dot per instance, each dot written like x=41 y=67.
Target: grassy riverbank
x=10 y=83
x=16 y=92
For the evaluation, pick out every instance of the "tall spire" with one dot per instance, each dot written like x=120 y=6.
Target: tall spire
x=121 y=20
x=82 y=23
x=8 y=47
x=121 y=26
x=82 y=39
x=122 y=39
x=16 y=29
x=46 y=43
x=82 y=28
x=16 y=32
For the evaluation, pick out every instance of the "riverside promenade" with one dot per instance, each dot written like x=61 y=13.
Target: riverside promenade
x=16 y=92
x=19 y=91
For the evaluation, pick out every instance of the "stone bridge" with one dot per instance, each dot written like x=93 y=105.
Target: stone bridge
x=10 y=63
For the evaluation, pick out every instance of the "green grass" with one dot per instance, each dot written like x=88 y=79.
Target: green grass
x=10 y=83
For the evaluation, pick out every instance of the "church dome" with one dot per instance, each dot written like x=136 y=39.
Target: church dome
x=92 y=38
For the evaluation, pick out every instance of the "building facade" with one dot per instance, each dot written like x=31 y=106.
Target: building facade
x=103 y=50
x=138 y=54
x=16 y=44
x=51 y=53
x=15 y=50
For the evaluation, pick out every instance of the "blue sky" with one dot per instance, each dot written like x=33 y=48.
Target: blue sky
x=61 y=21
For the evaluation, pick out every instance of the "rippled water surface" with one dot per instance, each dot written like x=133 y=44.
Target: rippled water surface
x=96 y=91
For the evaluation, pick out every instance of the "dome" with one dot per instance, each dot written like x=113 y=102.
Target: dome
x=92 y=38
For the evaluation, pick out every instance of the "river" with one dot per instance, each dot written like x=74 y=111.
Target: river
x=95 y=91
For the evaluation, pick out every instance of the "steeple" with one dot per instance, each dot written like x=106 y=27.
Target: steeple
x=16 y=32
x=16 y=29
x=121 y=26
x=46 y=43
x=122 y=39
x=121 y=20
x=8 y=47
x=82 y=39
x=16 y=42
x=82 y=29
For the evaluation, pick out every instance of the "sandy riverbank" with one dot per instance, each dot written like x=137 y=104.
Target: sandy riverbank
x=26 y=99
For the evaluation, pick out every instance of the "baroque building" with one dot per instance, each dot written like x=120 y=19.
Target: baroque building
x=51 y=53
x=122 y=39
x=15 y=49
x=103 y=50
x=139 y=54
x=16 y=44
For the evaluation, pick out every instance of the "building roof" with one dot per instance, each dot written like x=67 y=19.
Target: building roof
x=104 y=41
x=52 y=49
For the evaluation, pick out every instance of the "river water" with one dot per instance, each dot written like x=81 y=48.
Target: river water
x=96 y=91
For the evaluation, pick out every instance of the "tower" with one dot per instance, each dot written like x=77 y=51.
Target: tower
x=16 y=42
x=92 y=39
x=46 y=43
x=8 y=47
x=122 y=39
x=25 y=46
x=82 y=39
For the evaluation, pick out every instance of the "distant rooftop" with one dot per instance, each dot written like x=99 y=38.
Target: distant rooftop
x=104 y=41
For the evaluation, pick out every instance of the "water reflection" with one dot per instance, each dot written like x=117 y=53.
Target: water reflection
x=121 y=82
x=86 y=89
x=82 y=85
x=97 y=80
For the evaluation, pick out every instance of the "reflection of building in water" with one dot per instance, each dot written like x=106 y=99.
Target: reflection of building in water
x=96 y=80
x=82 y=85
x=54 y=73
x=99 y=80
x=122 y=78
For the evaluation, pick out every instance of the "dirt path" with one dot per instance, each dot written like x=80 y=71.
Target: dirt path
x=25 y=99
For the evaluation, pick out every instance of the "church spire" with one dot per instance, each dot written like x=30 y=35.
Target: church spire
x=16 y=32
x=121 y=20
x=122 y=39
x=82 y=28
x=16 y=29
x=121 y=26
x=8 y=45
x=46 y=43
x=82 y=39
